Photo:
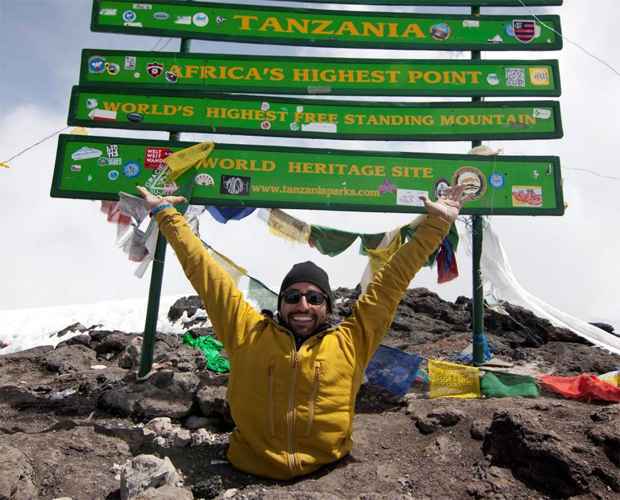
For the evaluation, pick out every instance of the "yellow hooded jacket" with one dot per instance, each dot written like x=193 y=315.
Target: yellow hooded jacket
x=293 y=409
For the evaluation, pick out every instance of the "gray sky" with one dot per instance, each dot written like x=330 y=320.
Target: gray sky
x=57 y=251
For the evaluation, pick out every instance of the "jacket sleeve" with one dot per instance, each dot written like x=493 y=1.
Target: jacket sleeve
x=375 y=309
x=231 y=316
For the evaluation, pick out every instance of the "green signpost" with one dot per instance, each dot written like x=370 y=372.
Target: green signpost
x=443 y=3
x=320 y=118
x=275 y=25
x=270 y=176
x=307 y=75
x=194 y=92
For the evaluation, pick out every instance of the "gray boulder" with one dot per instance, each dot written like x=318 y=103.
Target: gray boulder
x=70 y=358
x=146 y=472
x=16 y=475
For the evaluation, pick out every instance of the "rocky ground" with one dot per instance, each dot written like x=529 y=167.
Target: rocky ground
x=76 y=423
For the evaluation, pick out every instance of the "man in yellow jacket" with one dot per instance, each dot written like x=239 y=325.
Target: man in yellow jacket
x=294 y=379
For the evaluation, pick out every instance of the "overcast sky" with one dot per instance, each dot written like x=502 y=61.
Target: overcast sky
x=56 y=251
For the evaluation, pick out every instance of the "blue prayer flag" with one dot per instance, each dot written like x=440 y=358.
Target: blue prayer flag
x=393 y=369
x=224 y=214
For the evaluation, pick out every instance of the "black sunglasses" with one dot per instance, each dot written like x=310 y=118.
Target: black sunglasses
x=294 y=296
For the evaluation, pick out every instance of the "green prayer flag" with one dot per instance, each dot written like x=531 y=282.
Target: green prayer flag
x=502 y=385
x=330 y=241
x=211 y=348
x=370 y=242
x=263 y=296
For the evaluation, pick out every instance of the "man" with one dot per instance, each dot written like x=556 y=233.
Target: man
x=294 y=379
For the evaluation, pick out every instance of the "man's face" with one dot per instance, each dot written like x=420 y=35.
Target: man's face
x=302 y=316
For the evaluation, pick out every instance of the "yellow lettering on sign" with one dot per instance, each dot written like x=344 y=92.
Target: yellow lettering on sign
x=306 y=117
x=245 y=21
x=342 y=169
x=271 y=24
x=486 y=120
x=245 y=114
x=412 y=29
x=225 y=72
x=329 y=27
x=388 y=120
x=315 y=75
x=155 y=109
x=239 y=164
x=409 y=171
x=452 y=77
x=347 y=28
x=321 y=27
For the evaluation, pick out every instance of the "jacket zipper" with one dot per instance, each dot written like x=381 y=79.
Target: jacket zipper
x=290 y=415
x=313 y=395
x=272 y=426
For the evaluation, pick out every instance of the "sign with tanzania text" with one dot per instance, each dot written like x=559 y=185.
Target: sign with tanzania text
x=328 y=28
x=320 y=118
x=270 y=176
x=465 y=3
x=318 y=75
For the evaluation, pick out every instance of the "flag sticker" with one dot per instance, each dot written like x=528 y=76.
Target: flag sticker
x=524 y=30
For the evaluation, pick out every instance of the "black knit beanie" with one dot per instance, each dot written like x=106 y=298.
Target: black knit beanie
x=307 y=272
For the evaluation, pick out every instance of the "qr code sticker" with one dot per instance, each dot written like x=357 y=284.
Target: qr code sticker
x=515 y=77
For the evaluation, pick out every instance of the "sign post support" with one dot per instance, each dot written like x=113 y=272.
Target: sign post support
x=157 y=274
x=477 y=310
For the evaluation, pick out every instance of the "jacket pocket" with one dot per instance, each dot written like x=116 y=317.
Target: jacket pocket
x=271 y=399
x=313 y=396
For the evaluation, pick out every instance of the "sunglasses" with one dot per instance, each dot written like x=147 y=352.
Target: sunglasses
x=294 y=296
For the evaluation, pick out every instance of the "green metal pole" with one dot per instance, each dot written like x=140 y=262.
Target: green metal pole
x=478 y=340
x=157 y=274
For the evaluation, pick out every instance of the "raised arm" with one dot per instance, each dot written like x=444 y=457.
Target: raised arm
x=375 y=309
x=232 y=317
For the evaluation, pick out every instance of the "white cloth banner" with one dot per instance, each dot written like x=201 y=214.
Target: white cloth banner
x=501 y=284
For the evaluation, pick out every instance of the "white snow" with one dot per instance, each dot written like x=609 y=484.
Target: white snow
x=26 y=328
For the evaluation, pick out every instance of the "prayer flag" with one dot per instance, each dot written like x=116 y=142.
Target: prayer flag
x=612 y=378
x=285 y=226
x=502 y=385
x=236 y=272
x=330 y=241
x=393 y=369
x=262 y=296
x=585 y=387
x=450 y=380
x=224 y=214
x=180 y=162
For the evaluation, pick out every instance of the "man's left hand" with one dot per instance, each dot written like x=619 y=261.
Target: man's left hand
x=448 y=205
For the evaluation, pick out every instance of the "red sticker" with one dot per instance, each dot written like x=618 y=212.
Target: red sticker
x=154 y=157
x=154 y=69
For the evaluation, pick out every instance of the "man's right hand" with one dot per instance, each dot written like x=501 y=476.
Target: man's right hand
x=153 y=201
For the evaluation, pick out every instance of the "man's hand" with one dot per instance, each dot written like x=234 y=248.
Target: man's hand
x=153 y=201
x=448 y=205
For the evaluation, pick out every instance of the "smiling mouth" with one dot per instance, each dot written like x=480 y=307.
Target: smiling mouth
x=302 y=319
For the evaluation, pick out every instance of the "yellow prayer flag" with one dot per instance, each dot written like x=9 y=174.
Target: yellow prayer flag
x=450 y=380
x=285 y=226
x=180 y=162
x=612 y=378
x=236 y=272
x=4 y=164
x=79 y=131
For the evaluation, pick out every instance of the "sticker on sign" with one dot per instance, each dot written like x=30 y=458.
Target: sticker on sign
x=410 y=197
